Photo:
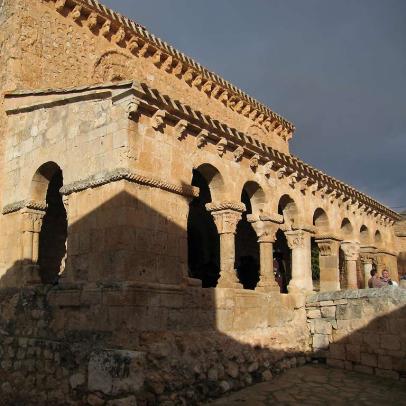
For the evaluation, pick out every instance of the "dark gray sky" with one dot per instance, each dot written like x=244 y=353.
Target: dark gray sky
x=336 y=69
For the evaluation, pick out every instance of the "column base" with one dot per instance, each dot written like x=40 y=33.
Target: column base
x=228 y=282
x=268 y=287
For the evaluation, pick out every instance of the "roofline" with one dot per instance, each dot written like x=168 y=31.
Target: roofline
x=140 y=31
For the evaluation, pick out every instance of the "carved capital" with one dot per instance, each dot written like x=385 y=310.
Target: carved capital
x=328 y=246
x=265 y=229
x=351 y=250
x=296 y=238
x=226 y=220
x=32 y=220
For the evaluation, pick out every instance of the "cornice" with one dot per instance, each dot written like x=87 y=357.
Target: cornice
x=125 y=33
x=220 y=206
x=131 y=176
x=24 y=204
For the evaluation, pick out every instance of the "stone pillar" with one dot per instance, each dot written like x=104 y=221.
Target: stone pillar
x=329 y=263
x=226 y=217
x=367 y=265
x=266 y=229
x=351 y=252
x=300 y=244
x=31 y=228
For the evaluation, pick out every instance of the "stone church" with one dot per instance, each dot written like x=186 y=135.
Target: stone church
x=144 y=201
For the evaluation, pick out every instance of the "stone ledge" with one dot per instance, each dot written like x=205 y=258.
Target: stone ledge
x=390 y=291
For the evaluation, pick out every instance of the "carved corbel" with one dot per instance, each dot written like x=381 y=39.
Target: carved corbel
x=303 y=184
x=292 y=179
x=238 y=153
x=246 y=110
x=197 y=81
x=133 y=107
x=188 y=76
x=202 y=138
x=268 y=168
x=238 y=107
x=133 y=44
x=157 y=120
x=76 y=13
x=323 y=191
x=254 y=162
x=221 y=146
x=144 y=50
x=280 y=173
x=217 y=89
x=156 y=59
x=60 y=4
x=180 y=129
x=314 y=187
x=105 y=29
x=260 y=119
x=224 y=97
x=167 y=65
x=119 y=36
x=332 y=196
x=253 y=114
x=232 y=101
x=92 y=21
x=206 y=88
x=177 y=70
x=279 y=129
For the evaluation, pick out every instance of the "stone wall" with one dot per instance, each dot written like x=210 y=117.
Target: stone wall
x=155 y=345
x=361 y=330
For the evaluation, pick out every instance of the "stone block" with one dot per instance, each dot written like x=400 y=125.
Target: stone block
x=390 y=342
x=313 y=314
x=387 y=374
x=348 y=312
x=384 y=362
x=320 y=341
x=327 y=303
x=328 y=312
x=353 y=352
x=369 y=359
x=364 y=369
x=322 y=326
x=335 y=363
x=337 y=351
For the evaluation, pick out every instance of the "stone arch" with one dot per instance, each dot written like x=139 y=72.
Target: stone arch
x=378 y=240
x=203 y=238
x=256 y=196
x=321 y=221
x=45 y=187
x=41 y=179
x=346 y=228
x=288 y=208
x=364 y=235
x=214 y=180
x=247 y=256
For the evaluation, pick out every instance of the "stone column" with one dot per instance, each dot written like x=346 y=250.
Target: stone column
x=329 y=263
x=351 y=252
x=266 y=229
x=367 y=255
x=226 y=217
x=300 y=244
x=31 y=228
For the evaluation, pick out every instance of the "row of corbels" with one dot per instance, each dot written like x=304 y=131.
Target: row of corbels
x=119 y=36
x=269 y=167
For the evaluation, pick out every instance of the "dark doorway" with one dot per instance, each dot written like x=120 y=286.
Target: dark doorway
x=247 y=248
x=53 y=235
x=203 y=238
x=315 y=263
x=282 y=261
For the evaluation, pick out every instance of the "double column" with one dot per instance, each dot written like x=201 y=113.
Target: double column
x=299 y=241
x=226 y=217
x=31 y=228
x=351 y=251
x=266 y=228
x=329 y=248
